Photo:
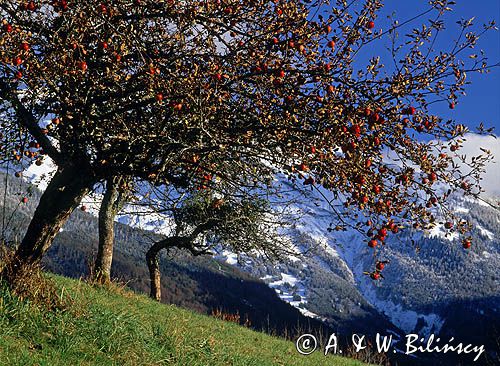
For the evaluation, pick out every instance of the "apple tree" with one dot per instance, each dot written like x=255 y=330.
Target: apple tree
x=167 y=91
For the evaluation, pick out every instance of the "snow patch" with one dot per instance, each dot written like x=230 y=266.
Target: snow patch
x=406 y=319
x=229 y=257
x=461 y=209
x=485 y=233
x=147 y=220
x=285 y=278
x=438 y=231
x=287 y=288
x=308 y=313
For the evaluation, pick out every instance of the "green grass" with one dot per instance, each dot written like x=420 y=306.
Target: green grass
x=117 y=327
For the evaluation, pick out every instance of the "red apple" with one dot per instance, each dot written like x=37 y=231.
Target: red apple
x=360 y=180
x=356 y=130
x=82 y=65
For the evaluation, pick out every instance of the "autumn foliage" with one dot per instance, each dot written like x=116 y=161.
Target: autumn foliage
x=189 y=93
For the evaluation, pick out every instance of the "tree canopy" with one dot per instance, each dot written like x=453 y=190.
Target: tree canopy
x=186 y=93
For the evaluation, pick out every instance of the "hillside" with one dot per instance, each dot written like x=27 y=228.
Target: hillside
x=114 y=326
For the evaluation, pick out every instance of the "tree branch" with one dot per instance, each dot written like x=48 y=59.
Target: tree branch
x=27 y=120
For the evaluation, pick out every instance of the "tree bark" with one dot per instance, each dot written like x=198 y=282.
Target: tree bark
x=152 y=259
x=184 y=242
x=154 y=274
x=112 y=203
x=63 y=194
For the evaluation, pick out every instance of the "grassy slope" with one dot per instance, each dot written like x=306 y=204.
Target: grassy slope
x=118 y=327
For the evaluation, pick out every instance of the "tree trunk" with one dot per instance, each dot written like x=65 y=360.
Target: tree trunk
x=154 y=274
x=63 y=194
x=152 y=259
x=112 y=203
x=185 y=242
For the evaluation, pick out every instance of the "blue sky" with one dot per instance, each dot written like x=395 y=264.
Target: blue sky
x=482 y=103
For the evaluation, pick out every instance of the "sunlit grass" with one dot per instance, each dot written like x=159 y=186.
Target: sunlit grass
x=111 y=326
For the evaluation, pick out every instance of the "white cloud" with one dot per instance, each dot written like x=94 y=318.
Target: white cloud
x=471 y=147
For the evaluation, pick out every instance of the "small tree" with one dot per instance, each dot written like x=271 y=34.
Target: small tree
x=204 y=221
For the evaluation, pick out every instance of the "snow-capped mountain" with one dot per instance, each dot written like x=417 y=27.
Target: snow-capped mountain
x=426 y=271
